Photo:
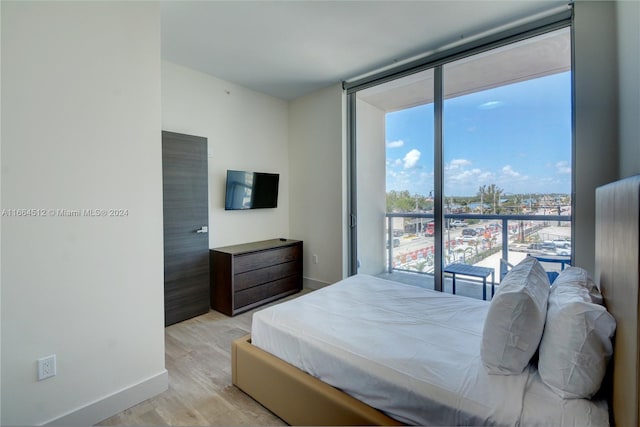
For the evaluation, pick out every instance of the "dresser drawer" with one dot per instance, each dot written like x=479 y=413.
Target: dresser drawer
x=268 y=274
x=256 y=260
x=267 y=290
x=255 y=273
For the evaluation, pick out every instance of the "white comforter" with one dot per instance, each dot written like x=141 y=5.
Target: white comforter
x=410 y=352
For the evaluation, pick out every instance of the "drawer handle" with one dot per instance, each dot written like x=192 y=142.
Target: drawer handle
x=204 y=229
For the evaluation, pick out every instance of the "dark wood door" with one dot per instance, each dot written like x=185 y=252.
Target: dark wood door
x=186 y=218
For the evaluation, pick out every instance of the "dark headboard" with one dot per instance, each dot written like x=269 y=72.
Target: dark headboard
x=617 y=260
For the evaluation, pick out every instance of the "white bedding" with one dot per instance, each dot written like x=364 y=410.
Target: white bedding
x=410 y=352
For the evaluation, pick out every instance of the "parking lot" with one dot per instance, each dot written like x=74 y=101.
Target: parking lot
x=415 y=251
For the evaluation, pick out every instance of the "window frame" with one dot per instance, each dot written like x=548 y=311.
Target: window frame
x=436 y=61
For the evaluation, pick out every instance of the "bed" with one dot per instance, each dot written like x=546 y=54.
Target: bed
x=460 y=396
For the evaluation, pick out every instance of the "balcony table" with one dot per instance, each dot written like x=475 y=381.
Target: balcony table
x=474 y=271
x=560 y=259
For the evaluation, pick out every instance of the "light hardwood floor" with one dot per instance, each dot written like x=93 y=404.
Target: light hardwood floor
x=198 y=359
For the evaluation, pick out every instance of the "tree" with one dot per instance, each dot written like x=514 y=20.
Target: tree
x=493 y=193
x=400 y=201
x=403 y=201
x=475 y=244
x=482 y=191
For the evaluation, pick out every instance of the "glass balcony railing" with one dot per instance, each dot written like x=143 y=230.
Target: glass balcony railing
x=491 y=240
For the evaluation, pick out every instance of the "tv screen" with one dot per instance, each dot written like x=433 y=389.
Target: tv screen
x=251 y=190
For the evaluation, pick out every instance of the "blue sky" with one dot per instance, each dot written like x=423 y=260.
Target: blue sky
x=516 y=136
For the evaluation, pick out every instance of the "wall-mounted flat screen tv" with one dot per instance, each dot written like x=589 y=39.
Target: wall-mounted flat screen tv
x=251 y=190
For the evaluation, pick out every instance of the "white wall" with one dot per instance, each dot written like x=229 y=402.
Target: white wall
x=628 y=20
x=317 y=158
x=372 y=205
x=1 y=205
x=81 y=115
x=596 y=117
x=245 y=130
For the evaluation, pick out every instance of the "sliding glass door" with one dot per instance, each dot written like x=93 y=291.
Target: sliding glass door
x=466 y=163
x=507 y=148
x=395 y=147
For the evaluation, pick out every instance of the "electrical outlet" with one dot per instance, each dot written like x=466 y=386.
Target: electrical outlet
x=315 y=258
x=46 y=367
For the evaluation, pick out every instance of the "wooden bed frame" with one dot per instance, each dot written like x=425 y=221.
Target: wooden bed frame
x=293 y=395
x=617 y=272
x=300 y=399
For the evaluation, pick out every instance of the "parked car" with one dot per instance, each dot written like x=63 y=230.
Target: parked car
x=457 y=223
x=396 y=243
x=546 y=247
x=469 y=239
x=564 y=244
x=469 y=232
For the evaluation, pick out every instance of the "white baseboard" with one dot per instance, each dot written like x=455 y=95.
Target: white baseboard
x=313 y=284
x=114 y=403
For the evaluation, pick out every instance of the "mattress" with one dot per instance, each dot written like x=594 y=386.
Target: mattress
x=411 y=353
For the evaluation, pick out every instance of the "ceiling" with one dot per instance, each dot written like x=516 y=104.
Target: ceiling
x=290 y=48
x=545 y=54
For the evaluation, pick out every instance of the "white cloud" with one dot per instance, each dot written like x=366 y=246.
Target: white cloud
x=395 y=144
x=411 y=159
x=460 y=178
x=459 y=163
x=485 y=176
x=563 y=168
x=508 y=171
x=463 y=176
x=490 y=105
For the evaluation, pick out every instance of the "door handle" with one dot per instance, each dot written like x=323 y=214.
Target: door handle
x=204 y=229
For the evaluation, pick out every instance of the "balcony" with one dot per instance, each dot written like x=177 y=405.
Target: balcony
x=488 y=239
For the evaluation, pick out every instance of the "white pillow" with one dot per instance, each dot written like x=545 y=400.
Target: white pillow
x=576 y=344
x=578 y=277
x=515 y=321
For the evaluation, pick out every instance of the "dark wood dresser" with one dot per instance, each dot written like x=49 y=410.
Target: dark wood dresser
x=248 y=275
